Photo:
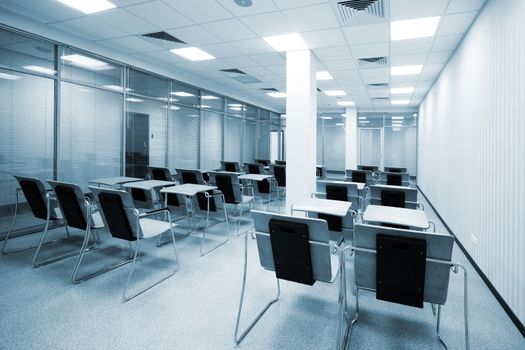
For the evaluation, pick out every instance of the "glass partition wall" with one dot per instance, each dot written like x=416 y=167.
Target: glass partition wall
x=73 y=116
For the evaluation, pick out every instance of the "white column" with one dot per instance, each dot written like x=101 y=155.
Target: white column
x=301 y=125
x=351 y=138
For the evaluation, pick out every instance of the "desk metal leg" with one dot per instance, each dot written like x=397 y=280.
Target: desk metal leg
x=208 y=221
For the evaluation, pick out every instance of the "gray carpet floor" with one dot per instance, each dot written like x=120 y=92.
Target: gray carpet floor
x=196 y=308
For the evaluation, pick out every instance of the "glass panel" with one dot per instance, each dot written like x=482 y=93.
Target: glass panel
x=232 y=139
x=26 y=131
x=370 y=120
x=320 y=141
x=83 y=68
x=184 y=95
x=235 y=108
x=211 y=140
x=144 y=84
x=26 y=54
x=248 y=146
x=183 y=138
x=370 y=146
x=90 y=134
x=263 y=135
x=212 y=101
x=400 y=148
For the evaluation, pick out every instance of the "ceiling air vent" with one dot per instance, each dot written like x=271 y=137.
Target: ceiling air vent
x=372 y=61
x=378 y=85
x=164 y=36
x=270 y=89
x=380 y=99
x=232 y=70
x=350 y=8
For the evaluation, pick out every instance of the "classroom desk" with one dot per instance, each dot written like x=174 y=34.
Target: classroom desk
x=392 y=187
x=412 y=218
x=152 y=186
x=116 y=181
x=187 y=189
x=322 y=206
x=360 y=185
x=260 y=177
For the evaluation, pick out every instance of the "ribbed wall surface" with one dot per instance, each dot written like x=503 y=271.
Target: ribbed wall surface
x=472 y=147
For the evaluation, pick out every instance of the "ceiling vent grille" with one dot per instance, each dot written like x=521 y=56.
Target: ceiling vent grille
x=349 y=9
x=372 y=61
x=270 y=89
x=164 y=36
x=378 y=85
x=380 y=99
x=233 y=70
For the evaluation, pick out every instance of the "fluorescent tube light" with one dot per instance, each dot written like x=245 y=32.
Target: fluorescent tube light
x=365 y=121
x=399 y=102
x=235 y=104
x=414 y=28
x=406 y=70
x=340 y=124
x=9 y=76
x=286 y=42
x=323 y=75
x=132 y=99
x=115 y=88
x=39 y=69
x=209 y=97
x=402 y=90
x=335 y=92
x=86 y=62
x=277 y=94
x=346 y=103
x=182 y=94
x=193 y=54
x=89 y=6
x=236 y=108
x=398 y=118
x=205 y=106
x=362 y=118
x=326 y=118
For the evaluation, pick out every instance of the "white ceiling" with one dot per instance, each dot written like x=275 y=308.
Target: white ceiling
x=234 y=34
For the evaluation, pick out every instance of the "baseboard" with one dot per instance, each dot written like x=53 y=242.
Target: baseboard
x=499 y=298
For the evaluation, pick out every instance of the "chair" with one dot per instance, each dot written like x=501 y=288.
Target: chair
x=320 y=171
x=373 y=168
x=43 y=205
x=279 y=172
x=362 y=176
x=298 y=250
x=394 y=170
x=280 y=162
x=162 y=174
x=80 y=213
x=125 y=222
x=232 y=190
x=405 y=267
x=262 y=186
x=264 y=162
x=394 y=179
x=402 y=197
x=233 y=167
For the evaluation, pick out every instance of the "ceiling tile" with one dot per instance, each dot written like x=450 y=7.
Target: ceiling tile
x=439 y=57
x=446 y=43
x=279 y=69
x=412 y=46
x=240 y=62
x=404 y=79
x=256 y=71
x=126 y=21
x=374 y=33
x=160 y=14
x=90 y=28
x=376 y=80
x=371 y=50
x=200 y=11
x=333 y=53
x=252 y=46
x=164 y=57
x=194 y=35
x=345 y=74
x=131 y=44
x=267 y=24
x=270 y=58
x=125 y=3
x=221 y=50
x=289 y=4
x=403 y=60
x=464 y=5
x=324 y=38
x=257 y=7
x=407 y=9
x=343 y=65
x=376 y=72
x=432 y=68
x=456 y=24
x=229 y=30
x=312 y=18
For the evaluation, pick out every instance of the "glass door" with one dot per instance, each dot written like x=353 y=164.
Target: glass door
x=370 y=146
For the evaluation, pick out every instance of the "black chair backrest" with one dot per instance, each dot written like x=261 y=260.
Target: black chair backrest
x=189 y=178
x=338 y=193
x=139 y=194
x=34 y=198
x=394 y=179
x=400 y=269
x=393 y=198
x=206 y=176
x=70 y=207
x=230 y=166
x=319 y=171
x=263 y=161
x=253 y=169
x=224 y=184
x=203 y=201
x=359 y=176
x=116 y=217
x=395 y=170
x=369 y=168
x=161 y=174
x=291 y=251
x=173 y=199
x=279 y=171
x=280 y=162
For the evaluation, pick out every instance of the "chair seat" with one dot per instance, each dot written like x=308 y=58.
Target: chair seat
x=247 y=199
x=151 y=228
x=97 y=220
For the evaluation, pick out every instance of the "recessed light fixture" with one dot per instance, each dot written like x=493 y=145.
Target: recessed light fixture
x=9 y=76
x=398 y=117
x=414 y=115
x=402 y=90
x=335 y=92
x=365 y=121
x=40 y=69
x=399 y=102
x=343 y=115
x=346 y=103
x=193 y=54
x=340 y=124
x=326 y=118
x=209 y=97
x=90 y=6
x=86 y=62
x=406 y=70
x=205 y=106
x=115 y=88
x=277 y=94
x=236 y=108
x=286 y=42
x=414 y=28
x=235 y=104
x=323 y=75
x=132 y=99
x=182 y=94
x=362 y=118
x=174 y=108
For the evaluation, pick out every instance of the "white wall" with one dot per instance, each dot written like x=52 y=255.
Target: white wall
x=472 y=146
